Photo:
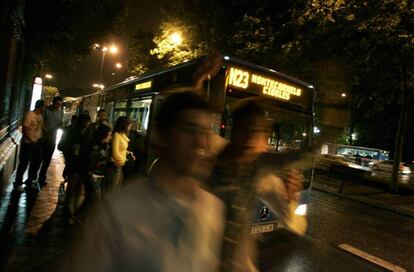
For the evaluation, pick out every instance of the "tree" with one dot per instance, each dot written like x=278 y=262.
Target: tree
x=141 y=60
x=60 y=32
x=377 y=44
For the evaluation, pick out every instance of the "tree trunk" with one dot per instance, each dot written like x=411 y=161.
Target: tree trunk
x=401 y=130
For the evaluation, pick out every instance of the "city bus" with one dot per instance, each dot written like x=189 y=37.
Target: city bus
x=361 y=155
x=289 y=102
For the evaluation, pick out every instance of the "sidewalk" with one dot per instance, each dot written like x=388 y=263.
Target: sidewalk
x=366 y=193
x=33 y=232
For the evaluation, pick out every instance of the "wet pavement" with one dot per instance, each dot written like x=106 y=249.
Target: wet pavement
x=35 y=237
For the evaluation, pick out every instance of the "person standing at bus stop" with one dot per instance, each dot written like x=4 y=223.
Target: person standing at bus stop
x=244 y=174
x=120 y=153
x=30 y=150
x=53 y=120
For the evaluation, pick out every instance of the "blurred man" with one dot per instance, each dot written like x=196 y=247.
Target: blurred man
x=168 y=222
x=30 y=150
x=245 y=173
x=53 y=120
x=101 y=119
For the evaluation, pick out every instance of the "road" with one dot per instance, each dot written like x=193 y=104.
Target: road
x=384 y=234
x=334 y=221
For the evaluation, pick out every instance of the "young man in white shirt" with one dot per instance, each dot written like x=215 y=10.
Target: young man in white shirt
x=30 y=150
x=167 y=222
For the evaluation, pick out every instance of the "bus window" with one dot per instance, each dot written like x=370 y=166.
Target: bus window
x=140 y=115
x=288 y=132
x=120 y=109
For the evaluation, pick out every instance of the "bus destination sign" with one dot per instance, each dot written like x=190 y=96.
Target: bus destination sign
x=143 y=85
x=265 y=85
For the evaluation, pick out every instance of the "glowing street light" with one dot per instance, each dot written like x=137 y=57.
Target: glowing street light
x=343 y=94
x=98 y=86
x=176 y=38
x=113 y=49
x=48 y=76
x=118 y=65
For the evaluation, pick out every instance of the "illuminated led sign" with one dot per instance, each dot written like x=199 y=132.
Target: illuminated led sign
x=269 y=87
x=143 y=85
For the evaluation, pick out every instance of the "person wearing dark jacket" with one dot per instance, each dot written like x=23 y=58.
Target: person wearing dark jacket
x=77 y=150
x=63 y=141
x=97 y=167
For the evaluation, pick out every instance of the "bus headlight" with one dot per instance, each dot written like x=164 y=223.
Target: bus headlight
x=301 y=209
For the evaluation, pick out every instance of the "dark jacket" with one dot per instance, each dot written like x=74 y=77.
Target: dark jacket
x=99 y=159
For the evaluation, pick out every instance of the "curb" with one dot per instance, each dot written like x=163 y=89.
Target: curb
x=378 y=204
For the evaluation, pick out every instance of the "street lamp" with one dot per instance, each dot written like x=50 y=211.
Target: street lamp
x=98 y=86
x=176 y=38
x=118 y=65
x=48 y=76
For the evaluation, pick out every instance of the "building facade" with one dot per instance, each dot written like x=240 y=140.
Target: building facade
x=14 y=96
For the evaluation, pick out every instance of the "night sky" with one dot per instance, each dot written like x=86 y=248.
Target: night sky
x=145 y=14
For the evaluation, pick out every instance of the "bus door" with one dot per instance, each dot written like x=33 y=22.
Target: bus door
x=139 y=114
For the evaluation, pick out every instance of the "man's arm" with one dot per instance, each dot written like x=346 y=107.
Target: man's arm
x=282 y=197
x=60 y=124
x=26 y=130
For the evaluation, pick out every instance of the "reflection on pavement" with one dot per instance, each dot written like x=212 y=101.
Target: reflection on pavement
x=27 y=211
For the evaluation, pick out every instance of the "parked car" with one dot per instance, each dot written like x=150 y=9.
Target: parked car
x=386 y=167
x=326 y=161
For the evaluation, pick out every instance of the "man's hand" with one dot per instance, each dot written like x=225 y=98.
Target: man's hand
x=294 y=184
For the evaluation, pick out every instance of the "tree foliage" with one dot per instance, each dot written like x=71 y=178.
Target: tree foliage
x=370 y=42
x=374 y=41
x=60 y=32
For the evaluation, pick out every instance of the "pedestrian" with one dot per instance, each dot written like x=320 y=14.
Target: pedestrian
x=62 y=146
x=166 y=222
x=30 y=150
x=101 y=119
x=245 y=173
x=119 y=153
x=97 y=168
x=53 y=120
x=78 y=145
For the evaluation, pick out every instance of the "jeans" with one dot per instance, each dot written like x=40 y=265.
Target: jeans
x=29 y=153
x=48 y=148
x=113 y=179
x=74 y=193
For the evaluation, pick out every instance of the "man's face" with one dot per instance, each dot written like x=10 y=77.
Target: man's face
x=101 y=116
x=57 y=104
x=187 y=143
x=42 y=109
x=251 y=136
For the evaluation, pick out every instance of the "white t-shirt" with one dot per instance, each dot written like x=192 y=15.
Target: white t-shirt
x=33 y=126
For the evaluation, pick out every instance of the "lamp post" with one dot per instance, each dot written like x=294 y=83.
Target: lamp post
x=112 y=49
x=118 y=66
